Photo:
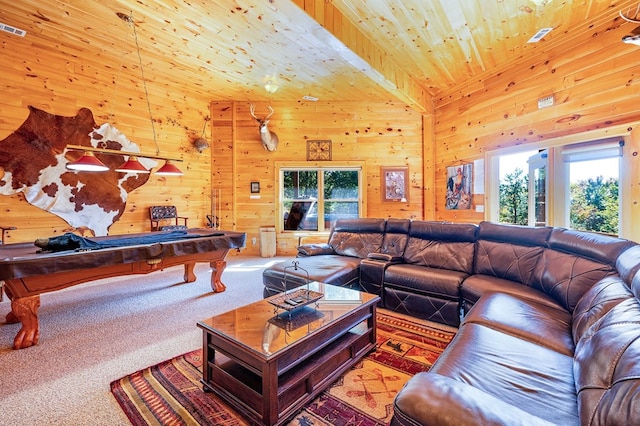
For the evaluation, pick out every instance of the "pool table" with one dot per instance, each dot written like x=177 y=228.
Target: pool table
x=27 y=273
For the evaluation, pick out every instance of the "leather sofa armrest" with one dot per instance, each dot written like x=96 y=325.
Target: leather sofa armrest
x=384 y=257
x=432 y=399
x=372 y=270
x=315 y=249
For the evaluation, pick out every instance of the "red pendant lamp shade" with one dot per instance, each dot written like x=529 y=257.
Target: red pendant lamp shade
x=169 y=169
x=87 y=163
x=132 y=165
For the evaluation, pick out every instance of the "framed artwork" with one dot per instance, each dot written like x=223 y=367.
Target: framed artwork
x=319 y=150
x=255 y=187
x=395 y=183
x=459 y=185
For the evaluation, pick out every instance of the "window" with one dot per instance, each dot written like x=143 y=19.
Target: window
x=573 y=185
x=312 y=198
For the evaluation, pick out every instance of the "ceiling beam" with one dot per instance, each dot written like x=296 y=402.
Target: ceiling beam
x=371 y=60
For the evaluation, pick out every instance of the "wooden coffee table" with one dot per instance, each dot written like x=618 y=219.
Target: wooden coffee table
x=268 y=363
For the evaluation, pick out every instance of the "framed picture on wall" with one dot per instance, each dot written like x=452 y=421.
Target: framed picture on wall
x=395 y=183
x=459 y=185
x=319 y=150
x=255 y=187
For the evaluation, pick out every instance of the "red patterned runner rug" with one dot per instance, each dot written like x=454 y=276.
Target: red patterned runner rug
x=170 y=393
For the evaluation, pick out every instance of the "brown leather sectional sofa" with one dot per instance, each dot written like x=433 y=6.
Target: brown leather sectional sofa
x=549 y=318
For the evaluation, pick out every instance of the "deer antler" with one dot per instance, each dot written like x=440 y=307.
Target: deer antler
x=635 y=18
x=270 y=113
x=252 y=109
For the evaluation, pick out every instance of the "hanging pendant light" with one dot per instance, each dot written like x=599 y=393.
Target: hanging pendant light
x=87 y=163
x=132 y=165
x=169 y=169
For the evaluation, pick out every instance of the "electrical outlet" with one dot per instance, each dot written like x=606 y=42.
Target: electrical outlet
x=254 y=240
x=545 y=102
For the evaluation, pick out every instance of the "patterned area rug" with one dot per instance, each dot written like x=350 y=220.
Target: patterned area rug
x=170 y=393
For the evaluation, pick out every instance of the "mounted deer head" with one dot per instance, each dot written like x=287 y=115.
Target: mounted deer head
x=634 y=37
x=268 y=138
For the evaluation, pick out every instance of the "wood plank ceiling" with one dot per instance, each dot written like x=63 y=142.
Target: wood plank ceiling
x=377 y=50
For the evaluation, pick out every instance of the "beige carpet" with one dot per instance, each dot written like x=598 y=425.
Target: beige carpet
x=95 y=333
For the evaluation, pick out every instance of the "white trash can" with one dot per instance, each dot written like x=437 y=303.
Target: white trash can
x=267 y=241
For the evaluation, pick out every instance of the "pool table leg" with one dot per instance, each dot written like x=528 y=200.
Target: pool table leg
x=189 y=275
x=217 y=267
x=25 y=310
x=216 y=273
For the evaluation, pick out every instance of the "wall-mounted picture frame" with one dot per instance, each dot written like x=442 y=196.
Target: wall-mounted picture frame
x=395 y=183
x=319 y=150
x=459 y=185
x=255 y=187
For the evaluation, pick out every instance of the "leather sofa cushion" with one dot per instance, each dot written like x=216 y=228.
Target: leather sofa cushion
x=506 y=260
x=596 y=303
x=357 y=237
x=476 y=285
x=514 y=234
x=332 y=269
x=425 y=280
x=628 y=264
x=566 y=277
x=315 y=249
x=527 y=319
x=430 y=399
x=509 y=251
x=607 y=369
x=441 y=245
x=601 y=248
x=525 y=375
x=396 y=235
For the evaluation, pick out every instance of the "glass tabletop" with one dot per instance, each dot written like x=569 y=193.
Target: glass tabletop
x=266 y=329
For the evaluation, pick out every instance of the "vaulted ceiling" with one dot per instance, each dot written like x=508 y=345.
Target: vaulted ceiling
x=378 y=50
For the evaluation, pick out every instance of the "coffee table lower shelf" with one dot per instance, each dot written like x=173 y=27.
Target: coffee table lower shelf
x=271 y=390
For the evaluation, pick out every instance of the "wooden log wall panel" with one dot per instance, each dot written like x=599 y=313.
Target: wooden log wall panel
x=595 y=85
x=380 y=134
x=222 y=150
x=41 y=74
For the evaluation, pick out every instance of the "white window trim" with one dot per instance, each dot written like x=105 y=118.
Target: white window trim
x=318 y=165
x=555 y=217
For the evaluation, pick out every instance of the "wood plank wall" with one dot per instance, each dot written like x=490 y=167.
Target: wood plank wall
x=384 y=134
x=47 y=79
x=596 y=86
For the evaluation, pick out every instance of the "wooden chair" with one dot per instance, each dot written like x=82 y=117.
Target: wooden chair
x=5 y=229
x=165 y=218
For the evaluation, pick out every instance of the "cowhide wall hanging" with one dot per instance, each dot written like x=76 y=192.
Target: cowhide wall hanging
x=33 y=163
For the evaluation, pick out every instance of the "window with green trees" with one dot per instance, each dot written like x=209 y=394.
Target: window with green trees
x=585 y=185
x=313 y=198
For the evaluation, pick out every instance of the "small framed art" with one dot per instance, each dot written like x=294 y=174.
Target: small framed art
x=319 y=150
x=255 y=187
x=395 y=183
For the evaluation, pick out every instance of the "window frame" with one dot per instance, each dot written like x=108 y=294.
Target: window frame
x=280 y=167
x=557 y=170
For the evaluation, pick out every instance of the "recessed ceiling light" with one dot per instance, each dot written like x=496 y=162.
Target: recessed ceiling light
x=310 y=98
